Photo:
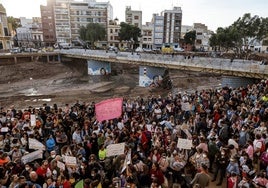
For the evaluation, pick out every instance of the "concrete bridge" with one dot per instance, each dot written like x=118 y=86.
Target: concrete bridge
x=236 y=67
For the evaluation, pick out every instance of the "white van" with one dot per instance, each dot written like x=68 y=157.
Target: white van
x=63 y=45
x=15 y=50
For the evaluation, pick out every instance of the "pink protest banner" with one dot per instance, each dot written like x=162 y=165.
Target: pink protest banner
x=109 y=109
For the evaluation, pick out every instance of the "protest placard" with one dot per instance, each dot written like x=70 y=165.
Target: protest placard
x=184 y=143
x=185 y=106
x=4 y=129
x=33 y=120
x=109 y=109
x=115 y=149
x=70 y=160
x=35 y=144
x=32 y=156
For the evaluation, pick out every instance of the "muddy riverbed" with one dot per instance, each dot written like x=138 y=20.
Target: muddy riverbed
x=36 y=83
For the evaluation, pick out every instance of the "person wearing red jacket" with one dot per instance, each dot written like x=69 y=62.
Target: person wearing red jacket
x=156 y=174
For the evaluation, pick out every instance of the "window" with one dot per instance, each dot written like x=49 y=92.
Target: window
x=136 y=17
x=111 y=30
x=6 y=31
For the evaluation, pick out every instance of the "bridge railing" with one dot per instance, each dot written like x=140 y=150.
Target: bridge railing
x=237 y=65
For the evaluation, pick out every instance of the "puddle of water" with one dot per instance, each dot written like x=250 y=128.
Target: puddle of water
x=36 y=100
x=30 y=92
x=45 y=100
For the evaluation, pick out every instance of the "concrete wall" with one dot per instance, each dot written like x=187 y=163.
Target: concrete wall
x=79 y=65
x=235 y=82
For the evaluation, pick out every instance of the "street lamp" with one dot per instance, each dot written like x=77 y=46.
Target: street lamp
x=131 y=45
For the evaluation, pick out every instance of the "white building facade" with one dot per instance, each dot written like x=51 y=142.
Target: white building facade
x=133 y=17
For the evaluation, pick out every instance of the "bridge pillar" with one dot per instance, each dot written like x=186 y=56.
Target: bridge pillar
x=47 y=58
x=59 y=59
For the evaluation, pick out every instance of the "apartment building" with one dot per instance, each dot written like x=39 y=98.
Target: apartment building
x=67 y=16
x=147 y=35
x=202 y=36
x=172 y=25
x=113 y=30
x=5 y=36
x=82 y=13
x=133 y=17
x=185 y=29
x=48 y=23
x=62 y=21
x=158 y=30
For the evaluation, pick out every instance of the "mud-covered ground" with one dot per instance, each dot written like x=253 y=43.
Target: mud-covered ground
x=36 y=83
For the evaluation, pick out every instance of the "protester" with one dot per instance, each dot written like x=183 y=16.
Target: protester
x=223 y=131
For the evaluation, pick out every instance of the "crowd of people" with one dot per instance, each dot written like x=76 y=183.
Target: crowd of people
x=227 y=129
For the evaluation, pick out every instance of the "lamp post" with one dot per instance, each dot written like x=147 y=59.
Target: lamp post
x=131 y=45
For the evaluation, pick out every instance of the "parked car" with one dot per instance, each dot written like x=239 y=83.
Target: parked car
x=30 y=50
x=139 y=49
x=113 y=48
x=47 y=49
x=62 y=45
x=15 y=50
x=178 y=49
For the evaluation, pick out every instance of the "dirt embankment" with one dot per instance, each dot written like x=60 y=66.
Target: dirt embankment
x=36 y=83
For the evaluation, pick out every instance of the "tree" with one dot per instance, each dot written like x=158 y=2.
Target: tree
x=243 y=32
x=92 y=32
x=226 y=38
x=129 y=32
x=189 y=37
x=14 y=22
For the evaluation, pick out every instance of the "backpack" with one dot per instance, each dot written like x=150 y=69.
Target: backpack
x=264 y=158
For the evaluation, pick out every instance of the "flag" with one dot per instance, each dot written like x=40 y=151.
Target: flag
x=109 y=109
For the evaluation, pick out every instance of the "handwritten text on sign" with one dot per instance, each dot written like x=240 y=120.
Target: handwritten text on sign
x=184 y=143
x=70 y=160
x=115 y=149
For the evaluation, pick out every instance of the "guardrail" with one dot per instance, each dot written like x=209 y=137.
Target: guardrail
x=236 y=67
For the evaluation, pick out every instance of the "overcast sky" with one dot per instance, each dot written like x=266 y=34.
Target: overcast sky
x=213 y=13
